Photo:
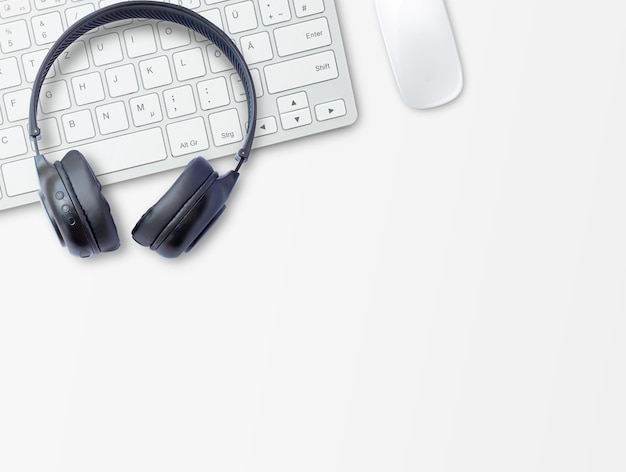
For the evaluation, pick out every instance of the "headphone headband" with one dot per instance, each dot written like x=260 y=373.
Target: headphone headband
x=154 y=11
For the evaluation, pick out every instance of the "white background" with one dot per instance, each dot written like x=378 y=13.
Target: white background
x=424 y=291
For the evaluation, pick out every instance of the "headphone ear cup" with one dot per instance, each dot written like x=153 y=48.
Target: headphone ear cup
x=187 y=210
x=94 y=213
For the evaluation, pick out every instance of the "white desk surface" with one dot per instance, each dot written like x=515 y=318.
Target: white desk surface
x=434 y=290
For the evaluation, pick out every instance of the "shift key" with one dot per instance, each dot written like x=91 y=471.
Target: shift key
x=301 y=72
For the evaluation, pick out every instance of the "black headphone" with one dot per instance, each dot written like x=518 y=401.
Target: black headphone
x=71 y=193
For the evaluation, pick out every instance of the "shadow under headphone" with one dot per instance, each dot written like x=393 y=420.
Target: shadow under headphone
x=70 y=191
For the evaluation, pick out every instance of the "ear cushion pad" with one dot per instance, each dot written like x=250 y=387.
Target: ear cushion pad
x=187 y=211
x=85 y=191
x=188 y=188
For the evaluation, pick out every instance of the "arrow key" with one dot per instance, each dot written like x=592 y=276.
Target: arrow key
x=295 y=119
x=293 y=102
x=330 y=110
x=265 y=126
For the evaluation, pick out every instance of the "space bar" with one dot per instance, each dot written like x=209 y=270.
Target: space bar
x=106 y=156
x=122 y=152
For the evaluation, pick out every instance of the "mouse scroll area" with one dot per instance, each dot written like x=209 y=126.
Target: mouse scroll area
x=422 y=51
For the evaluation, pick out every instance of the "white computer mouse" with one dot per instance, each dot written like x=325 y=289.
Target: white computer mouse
x=422 y=51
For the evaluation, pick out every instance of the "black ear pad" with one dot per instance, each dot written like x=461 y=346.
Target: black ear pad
x=93 y=210
x=187 y=210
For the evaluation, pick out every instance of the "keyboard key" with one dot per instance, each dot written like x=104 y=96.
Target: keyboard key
x=155 y=72
x=256 y=48
x=239 y=92
x=122 y=80
x=330 y=110
x=301 y=72
x=187 y=3
x=47 y=28
x=112 y=118
x=74 y=58
x=54 y=96
x=20 y=177
x=179 y=101
x=78 y=126
x=187 y=137
x=106 y=3
x=189 y=64
x=217 y=61
x=88 y=88
x=294 y=102
x=308 y=7
x=50 y=135
x=296 y=119
x=43 y=4
x=192 y=4
x=213 y=93
x=9 y=73
x=106 y=49
x=302 y=37
x=72 y=15
x=114 y=154
x=12 y=142
x=16 y=104
x=32 y=61
x=140 y=41
x=172 y=35
x=106 y=156
x=215 y=17
x=265 y=126
x=14 y=8
x=146 y=110
x=274 y=11
x=225 y=127
x=241 y=17
x=14 y=36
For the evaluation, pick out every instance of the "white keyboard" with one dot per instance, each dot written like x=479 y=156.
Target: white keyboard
x=139 y=97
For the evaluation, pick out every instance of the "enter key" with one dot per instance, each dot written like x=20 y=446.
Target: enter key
x=302 y=37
